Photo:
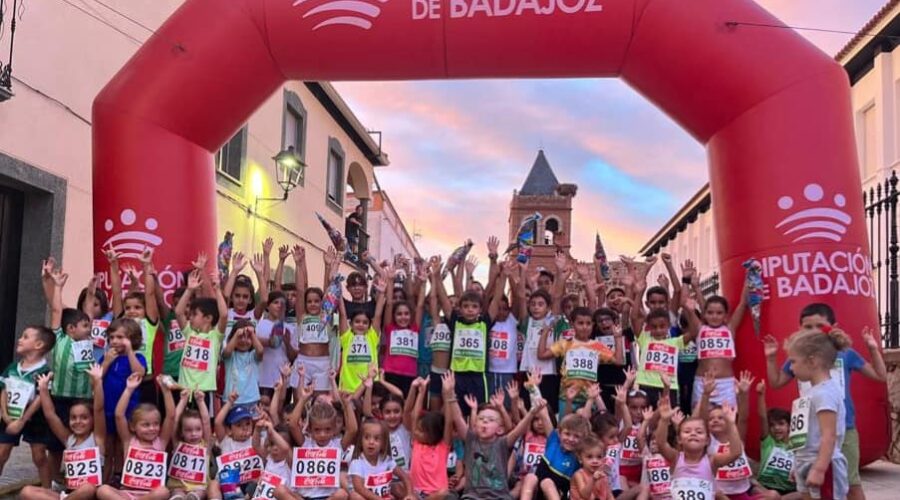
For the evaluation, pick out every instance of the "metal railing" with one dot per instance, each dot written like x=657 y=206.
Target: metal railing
x=880 y=205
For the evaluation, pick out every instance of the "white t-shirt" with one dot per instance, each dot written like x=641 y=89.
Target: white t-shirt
x=273 y=357
x=401 y=447
x=529 y=353
x=377 y=478
x=503 y=346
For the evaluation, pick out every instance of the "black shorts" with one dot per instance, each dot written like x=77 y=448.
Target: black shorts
x=403 y=382
x=435 y=384
x=62 y=407
x=473 y=383
x=35 y=431
x=543 y=471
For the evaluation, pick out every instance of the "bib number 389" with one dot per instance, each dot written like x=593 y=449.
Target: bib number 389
x=692 y=489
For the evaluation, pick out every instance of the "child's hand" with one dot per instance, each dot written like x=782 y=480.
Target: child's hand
x=47 y=266
x=194 y=280
x=815 y=477
x=621 y=394
x=185 y=394
x=301 y=371
x=285 y=371
x=770 y=346
x=448 y=384
x=44 y=381
x=534 y=377
x=687 y=269
x=630 y=376
x=199 y=396
x=95 y=372
x=165 y=382
x=471 y=264
x=214 y=280
x=200 y=261
x=594 y=391
x=663 y=281
x=111 y=255
x=709 y=382
x=537 y=405
x=677 y=417
x=761 y=387
x=146 y=257
x=238 y=262
x=493 y=246
x=745 y=382
x=730 y=413
x=665 y=409
x=258 y=264
x=59 y=277
x=666 y=381
x=299 y=253
x=647 y=414
x=134 y=381
x=267 y=246
x=871 y=343
x=233 y=397
x=498 y=398
x=571 y=393
x=512 y=389
x=471 y=401
x=283 y=252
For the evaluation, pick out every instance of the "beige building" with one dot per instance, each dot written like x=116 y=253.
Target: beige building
x=64 y=53
x=873 y=67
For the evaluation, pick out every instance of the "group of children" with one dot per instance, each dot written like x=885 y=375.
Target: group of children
x=513 y=389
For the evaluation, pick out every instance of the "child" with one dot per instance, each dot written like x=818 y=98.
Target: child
x=359 y=342
x=486 y=446
x=581 y=355
x=559 y=462
x=817 y=445
x=440 y=343
x=278 y=459
x=469 y=328
x=372 y=468
x=531 y=448
x=401 y=350
x=121 y=360
x=693 y=472
x=315 y=335
x=141 y=307
x=321 y=432
x=95 y=304
x=237 y=437
x=504 y=348
x=397 y=417
x=203 y=333
x=606 y=329
x=821 y=316
x=715 y=348
x=277 y=338
x=540 y=319
x=88 y=433
x=591 y=481
x=17 y=402
x=432 y=437
x=776 y=460
x=242 y=355
x=192 y=440
x=240 y=292
x=632 y=451
x=143 y=431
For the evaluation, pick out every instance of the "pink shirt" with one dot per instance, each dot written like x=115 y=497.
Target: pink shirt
x=401 y=350
x=429 y=467
x=700 y=470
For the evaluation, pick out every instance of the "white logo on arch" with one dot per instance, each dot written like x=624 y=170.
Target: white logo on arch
x=818 y=219
x=130 y=241
x=355 y=13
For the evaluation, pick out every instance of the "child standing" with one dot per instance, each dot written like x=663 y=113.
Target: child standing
x=659 y=351
x=817 y=445
x=401 y=350
x=315 y=335
x=715 y=349
x=242 y=355
x=359 y=342
x=20 y=411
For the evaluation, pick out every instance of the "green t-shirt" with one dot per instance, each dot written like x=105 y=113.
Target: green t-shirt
x=148 y=333
x=21 y=386
x=663 y=357
x=358 y=352
x=775 y=465
x=200 y=359
x=174 y=346
x=470 y=340
x=70 y=380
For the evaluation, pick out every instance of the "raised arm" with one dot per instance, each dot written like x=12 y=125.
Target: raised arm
x=56 y=305
x=47 y=267
x=181 y=308
x=301 y=276
x=876 y=370
x=283 y=252
x=351 y=426
x=523 y=425
x=743 y=385
x=219 y=423
x=150 y=306
x=131 y=385
x=735 y=445
x=168 y=426
x=115 y=282
x=380 y=287
x=57 y=427
x=762 y=409
x=260 y=265
x=775 y=376
x=448 y=388
x=438 y=285
x=409 y=405
x=662 y=431
x=738 y=314
x=690 y=314
x=420 y=306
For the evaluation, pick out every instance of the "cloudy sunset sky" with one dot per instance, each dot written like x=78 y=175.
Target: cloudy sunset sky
x=458 y=149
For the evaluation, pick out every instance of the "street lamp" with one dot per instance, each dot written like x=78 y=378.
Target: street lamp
x=289 y=171
x=6 y=92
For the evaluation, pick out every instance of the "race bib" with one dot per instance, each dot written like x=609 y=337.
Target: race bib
x=246 y=460
x=662 y=358
x=837 y=374
x=715 y=343
x=799 y=423
x=499 y=348
x=18 y=395
x=630 y=448
x=359 y=350
x=189 y=463
x=347 y=456
x=313 y=331
x=98 y=332
x=404 y=343
x=736 y=470
x=581 y=363
x=469 y=344
x=658 y=475
x=531 y=456
x=82 y=467
x=197 y=353
x=398 y=453
x=440 y=337
x=609 y=341
x=611 y=460
x=265 y=489
x=780 y=463
x=451 y=460
x=83 y=354
x=316 y=468
x=380 y=484
x=533 y=336
x=174 y=337
x=689 y=353
x=144 y=469
x=692 y=489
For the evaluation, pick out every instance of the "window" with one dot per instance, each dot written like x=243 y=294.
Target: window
x=335 y=182
x=869 y=135
x=231 y=158
x=294 y=124
x=551 y=228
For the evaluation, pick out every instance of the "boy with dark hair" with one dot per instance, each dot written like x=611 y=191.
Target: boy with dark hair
x=776 y=459
x=21 y=417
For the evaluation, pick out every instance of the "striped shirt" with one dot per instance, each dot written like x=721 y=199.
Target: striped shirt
x=69 y=380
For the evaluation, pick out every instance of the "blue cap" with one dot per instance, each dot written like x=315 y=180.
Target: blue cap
x=237 y=414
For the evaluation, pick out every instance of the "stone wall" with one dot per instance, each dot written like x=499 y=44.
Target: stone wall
x=892 y=359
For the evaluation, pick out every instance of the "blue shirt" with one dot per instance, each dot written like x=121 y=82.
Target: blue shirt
x=850 y=360
x=560 y=461
x=242 y=375
x=114 y=383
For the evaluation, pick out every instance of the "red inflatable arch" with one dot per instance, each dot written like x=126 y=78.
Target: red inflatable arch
x=773 y=111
